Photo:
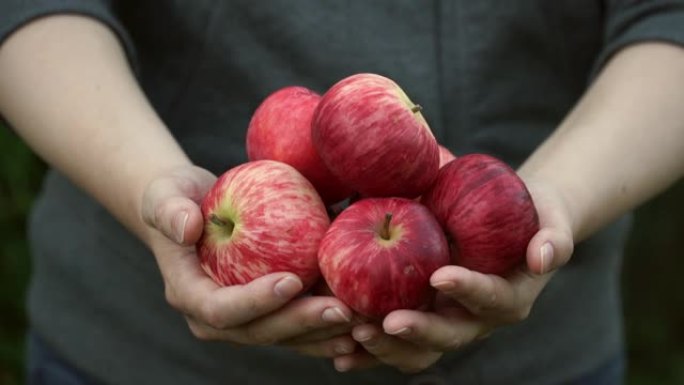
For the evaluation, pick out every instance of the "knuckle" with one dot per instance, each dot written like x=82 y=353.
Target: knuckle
x=212 y=315
x=340 y=347
x=171 y=297
x=252 y=305
x=308 y=323
x=487 y=303
x=521 y=313
x=259 y=336
x=148 y=200
x=200 y=332
x=490 y=296
x=452 y=344
x=569 y=250
x=184 y=183
x=491 y=300
x=160 y=211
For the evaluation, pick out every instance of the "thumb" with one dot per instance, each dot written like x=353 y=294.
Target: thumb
x=548 y=250
x=170 y=204
x=552 y=246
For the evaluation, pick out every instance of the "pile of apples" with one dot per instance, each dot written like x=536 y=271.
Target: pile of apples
x=353 y=187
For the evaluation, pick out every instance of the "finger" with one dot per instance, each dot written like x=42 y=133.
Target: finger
x=360 y=359
x=503 y=300
x=480 y=293
x=438 y=332
x=331 y=348
x=204 y=332
x=320 y=334
x=171 y=204
x=337 y=343
x=334 y=329
x=302 y=317
x=399 y=353
x=264 y=337
x=192 y=292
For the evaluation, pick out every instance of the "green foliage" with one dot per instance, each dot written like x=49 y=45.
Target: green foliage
x=653 y=299
x=654 y=304
x=20 y=174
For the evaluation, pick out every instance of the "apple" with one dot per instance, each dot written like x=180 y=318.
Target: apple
x=280 y=129
x=374 y=139
x=445 y=156
x=487 y=212
x=261 y=217
x=378 y=254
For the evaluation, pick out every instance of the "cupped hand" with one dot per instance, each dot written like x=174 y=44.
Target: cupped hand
x=268 y=310
x=469 y=305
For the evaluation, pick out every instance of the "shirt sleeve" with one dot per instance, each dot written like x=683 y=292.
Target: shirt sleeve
x=16 y=13
x=634 y=21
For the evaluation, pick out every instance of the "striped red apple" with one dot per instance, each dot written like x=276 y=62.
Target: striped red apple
x=373 y=138
x=261 y=217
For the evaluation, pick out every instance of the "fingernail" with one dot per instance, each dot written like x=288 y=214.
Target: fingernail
x=343 y=349
x=363 y=336
x=334 y=314
x=342 y=367
x=367 y=338
x=287 y=287
x=444 y=285
x=179 y=224
x=546 y=252
x=400 y=332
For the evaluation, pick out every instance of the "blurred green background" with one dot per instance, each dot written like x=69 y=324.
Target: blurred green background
x=654 y=299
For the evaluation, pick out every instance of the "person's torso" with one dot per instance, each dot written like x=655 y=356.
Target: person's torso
x=492 y=76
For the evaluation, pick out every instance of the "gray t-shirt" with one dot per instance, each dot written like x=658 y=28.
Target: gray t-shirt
x=492 y=76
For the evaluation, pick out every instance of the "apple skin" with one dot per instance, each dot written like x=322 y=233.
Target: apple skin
x=280 y=129
x=278 y=222
x=374 y=139
x=445 y=156
x=374 y=275
x=486 y=211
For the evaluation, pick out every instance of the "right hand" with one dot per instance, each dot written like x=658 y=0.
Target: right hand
x=263 y=312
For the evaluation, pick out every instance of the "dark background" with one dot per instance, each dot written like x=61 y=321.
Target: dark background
x=654 y=299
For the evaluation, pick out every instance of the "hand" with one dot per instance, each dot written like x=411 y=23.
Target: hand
x=469 y=305
x=264 y=311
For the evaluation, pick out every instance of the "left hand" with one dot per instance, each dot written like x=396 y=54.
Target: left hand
x=469 y=305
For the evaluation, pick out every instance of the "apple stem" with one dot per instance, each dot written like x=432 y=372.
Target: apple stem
x=385 y=231
x=416 y=108
x=227 y=225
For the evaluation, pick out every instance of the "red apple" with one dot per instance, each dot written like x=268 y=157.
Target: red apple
x=378 y=255
x=261 y=217
x=280 y=129
x=486 y=210
x=374 y=139
x=445 y=156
